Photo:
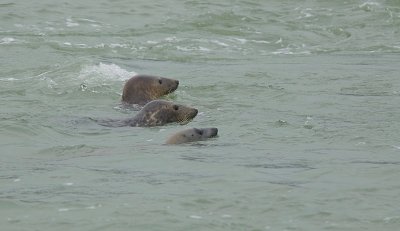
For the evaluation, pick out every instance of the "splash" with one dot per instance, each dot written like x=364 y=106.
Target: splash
x=105 y=72
x=7 y=40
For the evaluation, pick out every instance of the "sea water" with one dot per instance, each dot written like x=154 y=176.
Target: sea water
x=305 y=95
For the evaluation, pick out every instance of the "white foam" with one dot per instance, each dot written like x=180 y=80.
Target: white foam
x=220 y=43
x=117 y=45
x=203 y=49
x=94 y=206
x=172 y=39
x=242 y=41
x=105 y=71
x=390 y=219
x=64 y=209
x=195 y=217
x=289 y=51
x=88 y=20
x=368 y=4
x=260 y=41
x=8 y=79
x=7 y=40
x=70 y=23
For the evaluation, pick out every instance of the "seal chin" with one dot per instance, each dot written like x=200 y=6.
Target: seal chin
x=184 y=122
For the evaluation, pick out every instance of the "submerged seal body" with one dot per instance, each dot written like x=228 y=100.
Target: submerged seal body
x=141 y=89
x=191 y=135
x=156 y=113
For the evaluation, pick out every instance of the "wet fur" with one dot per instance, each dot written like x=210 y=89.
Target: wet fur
x=191 y=135
x=141 y=89
x=156 y=113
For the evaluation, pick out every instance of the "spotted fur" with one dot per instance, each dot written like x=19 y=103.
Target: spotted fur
x=161 y=112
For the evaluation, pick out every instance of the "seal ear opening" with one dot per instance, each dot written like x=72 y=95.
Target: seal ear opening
x=160 y=81
x=176 y=107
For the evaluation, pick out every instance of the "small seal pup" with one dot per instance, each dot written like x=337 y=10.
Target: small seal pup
x=191 y=135
x=156 y=113
x=141 y=89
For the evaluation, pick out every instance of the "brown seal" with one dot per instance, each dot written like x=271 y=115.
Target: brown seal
x=141 y=89
x=191 y=135
x=156 y=113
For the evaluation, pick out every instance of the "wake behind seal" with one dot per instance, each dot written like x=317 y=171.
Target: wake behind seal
x=141 y=89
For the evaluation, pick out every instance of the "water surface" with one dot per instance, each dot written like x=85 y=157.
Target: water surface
x=304 y=94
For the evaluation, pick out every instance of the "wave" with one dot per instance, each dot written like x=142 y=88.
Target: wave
x=105 y=72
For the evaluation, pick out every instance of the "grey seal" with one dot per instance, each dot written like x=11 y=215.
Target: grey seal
x=156 y=113
x=141 y=89
x=191 y=135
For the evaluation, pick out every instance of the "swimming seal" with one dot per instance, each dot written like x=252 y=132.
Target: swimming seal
x=192 y=134
x=156 y=113
x=141 y=89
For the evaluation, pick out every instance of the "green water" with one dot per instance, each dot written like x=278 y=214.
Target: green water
x=305 y=95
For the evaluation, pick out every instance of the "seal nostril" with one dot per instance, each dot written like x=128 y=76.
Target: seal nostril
x=177 y=82
x=160 y=81
x=215 y=131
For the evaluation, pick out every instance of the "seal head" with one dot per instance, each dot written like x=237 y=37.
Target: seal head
x=161 y=112
x=191 y=135
x=141 y=89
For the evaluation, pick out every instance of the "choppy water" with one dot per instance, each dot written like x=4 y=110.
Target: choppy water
x=305 y=95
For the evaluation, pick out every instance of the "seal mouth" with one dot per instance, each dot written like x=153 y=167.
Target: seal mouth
x=173 y=88
x=188 y=117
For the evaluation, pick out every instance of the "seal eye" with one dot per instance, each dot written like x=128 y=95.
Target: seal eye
x=176 y=107
x=160 y=81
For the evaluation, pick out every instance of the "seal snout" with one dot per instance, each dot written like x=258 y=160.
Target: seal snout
x=210 y=132
x=176 y=85
x=214 y=132
x=173 y=86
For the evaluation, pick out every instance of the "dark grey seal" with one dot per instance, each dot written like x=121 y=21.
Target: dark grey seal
x=156 y=113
